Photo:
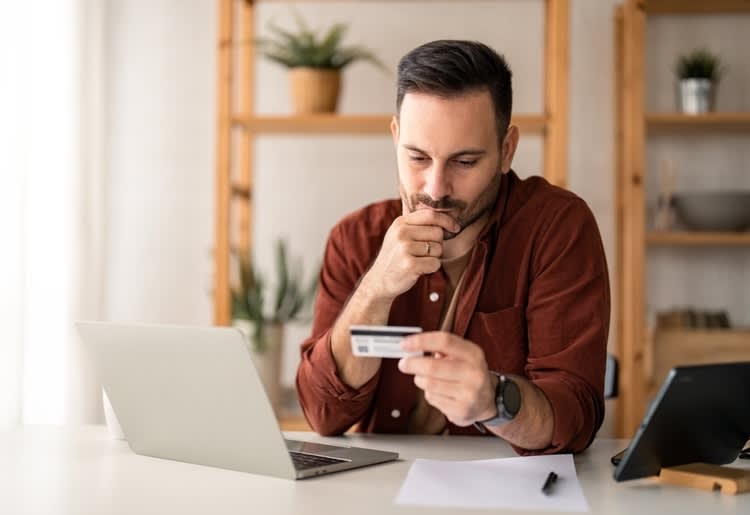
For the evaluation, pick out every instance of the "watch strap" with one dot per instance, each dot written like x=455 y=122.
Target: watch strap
x=502 y=416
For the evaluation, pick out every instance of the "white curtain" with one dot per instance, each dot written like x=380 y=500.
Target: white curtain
x=51 y=208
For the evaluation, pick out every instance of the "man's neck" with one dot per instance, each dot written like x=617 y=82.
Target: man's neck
x=465 y=240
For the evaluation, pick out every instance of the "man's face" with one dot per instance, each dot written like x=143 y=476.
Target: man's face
x=449 y=155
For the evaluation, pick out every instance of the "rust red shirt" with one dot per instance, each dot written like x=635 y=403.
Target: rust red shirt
x=535 y=298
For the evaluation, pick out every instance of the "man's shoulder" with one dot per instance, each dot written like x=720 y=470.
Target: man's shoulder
x=542 y=190
x=548 y=201
x=370 y=221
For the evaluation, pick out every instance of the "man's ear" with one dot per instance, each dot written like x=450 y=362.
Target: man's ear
x=509 y=146
x=394 y=129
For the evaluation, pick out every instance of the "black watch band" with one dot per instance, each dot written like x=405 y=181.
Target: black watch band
x=507 y=400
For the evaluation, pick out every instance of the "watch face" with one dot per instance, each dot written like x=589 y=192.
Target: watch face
x=511 y=397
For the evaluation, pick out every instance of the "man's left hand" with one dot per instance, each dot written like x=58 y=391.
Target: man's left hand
x=454 y=378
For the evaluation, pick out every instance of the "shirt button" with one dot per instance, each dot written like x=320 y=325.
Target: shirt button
x=434 y=296
x=395 y=413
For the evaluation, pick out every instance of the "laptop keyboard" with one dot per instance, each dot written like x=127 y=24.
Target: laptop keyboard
x=303 y=461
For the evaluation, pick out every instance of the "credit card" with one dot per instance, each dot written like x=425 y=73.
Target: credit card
x=381 y=341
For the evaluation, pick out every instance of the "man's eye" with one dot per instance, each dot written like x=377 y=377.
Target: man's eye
x=418 y=159
x=467 y=162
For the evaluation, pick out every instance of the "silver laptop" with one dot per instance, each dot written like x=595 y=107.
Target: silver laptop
x=192 y=394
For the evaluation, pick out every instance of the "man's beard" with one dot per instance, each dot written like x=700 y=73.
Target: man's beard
x=467 y=215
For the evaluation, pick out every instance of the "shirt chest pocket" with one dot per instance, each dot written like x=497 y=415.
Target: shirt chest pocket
x=502 y=335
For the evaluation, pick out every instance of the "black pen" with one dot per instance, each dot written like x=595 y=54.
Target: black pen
x=547 y=486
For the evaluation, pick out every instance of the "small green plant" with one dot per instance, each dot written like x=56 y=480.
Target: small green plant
x=291 y=298
x=305 y=48
x=699 y=64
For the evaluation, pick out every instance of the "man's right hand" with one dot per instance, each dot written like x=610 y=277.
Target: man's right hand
x=412 y=247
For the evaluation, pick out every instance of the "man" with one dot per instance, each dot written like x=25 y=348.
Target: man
x=507 y=278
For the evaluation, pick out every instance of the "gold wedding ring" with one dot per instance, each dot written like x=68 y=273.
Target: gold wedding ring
x=428 y=247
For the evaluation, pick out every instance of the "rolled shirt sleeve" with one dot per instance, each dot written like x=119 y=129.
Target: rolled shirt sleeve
x=330 y=405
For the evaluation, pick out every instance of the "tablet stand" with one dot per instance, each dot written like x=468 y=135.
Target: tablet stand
x=704 y=476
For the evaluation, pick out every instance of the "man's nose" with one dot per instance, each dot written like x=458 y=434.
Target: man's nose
x=436 y=183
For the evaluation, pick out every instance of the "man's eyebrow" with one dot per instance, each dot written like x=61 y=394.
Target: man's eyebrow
x=464 y=152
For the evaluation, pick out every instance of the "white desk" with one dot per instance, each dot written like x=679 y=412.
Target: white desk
x=55 y=470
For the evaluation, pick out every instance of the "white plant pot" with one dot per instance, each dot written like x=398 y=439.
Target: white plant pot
x=696 y=96
x=113 y=425
x=267 y=362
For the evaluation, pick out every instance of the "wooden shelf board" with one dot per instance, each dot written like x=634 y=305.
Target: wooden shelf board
x=321 y=124
x=657 y=122
x=699 y=238
x=696 y=6
x=351 y=124
x=293 y=422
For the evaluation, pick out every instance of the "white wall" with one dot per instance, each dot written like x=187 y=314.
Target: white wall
x=161 y=130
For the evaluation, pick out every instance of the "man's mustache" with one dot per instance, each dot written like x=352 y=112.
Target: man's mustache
x=443 y=203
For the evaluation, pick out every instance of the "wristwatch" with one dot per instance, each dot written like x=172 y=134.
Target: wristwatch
x=508 y=401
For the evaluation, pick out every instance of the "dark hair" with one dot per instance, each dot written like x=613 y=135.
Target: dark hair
x=449 y=68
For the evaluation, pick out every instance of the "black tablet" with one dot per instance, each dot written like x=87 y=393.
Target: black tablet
x=700 y=414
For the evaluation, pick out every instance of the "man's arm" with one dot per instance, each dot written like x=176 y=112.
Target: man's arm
x=334 y=386
x=534 y=424
x=400 y=262
x=363 y=308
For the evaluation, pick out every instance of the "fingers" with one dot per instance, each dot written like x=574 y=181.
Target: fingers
x=458 y=383
x=411 y=248
x=426 y=249
x=437 y=388
x=426 y=265
x=430 y=217
x=448 y=344
x=407 y=232
x=439 y=369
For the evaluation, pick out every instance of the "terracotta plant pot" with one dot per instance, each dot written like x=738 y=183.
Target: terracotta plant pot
x=314 y=90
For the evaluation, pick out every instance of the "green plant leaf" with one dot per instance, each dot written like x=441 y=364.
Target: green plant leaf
x=239 y=306
x=282 y=275
x=303 y=47
x=348 y=55
x=326 y=51
x=248 y=300
x=699 y=64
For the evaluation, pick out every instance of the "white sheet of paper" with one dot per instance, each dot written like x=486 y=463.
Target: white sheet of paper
x=501 y=483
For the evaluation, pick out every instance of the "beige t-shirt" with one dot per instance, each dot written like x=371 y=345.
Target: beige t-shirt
x=424 y=418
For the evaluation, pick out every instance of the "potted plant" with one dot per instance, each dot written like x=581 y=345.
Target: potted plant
x=698 y=74
x=264 y=325
x=314 y=62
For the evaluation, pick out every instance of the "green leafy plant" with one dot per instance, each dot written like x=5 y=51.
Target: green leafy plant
x=699 y=64
x=290 y=301
x=305 y=48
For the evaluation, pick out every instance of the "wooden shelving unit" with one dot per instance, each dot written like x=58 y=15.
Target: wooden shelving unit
x=633 y=126
x=237 y=126
x=672 y=122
